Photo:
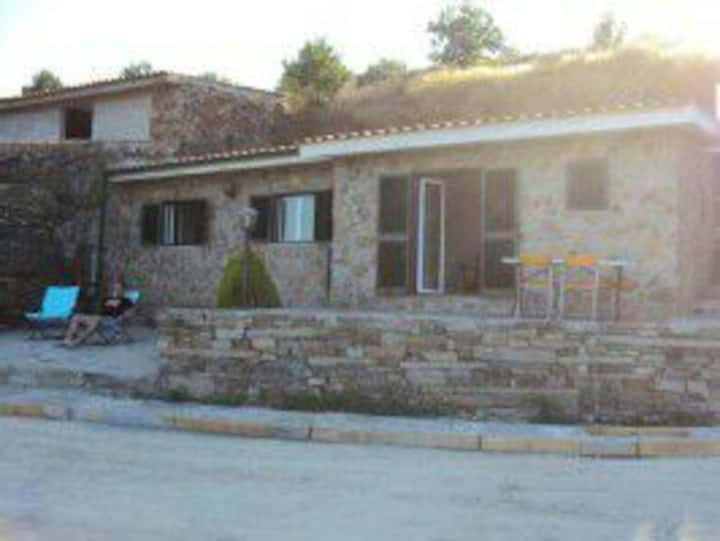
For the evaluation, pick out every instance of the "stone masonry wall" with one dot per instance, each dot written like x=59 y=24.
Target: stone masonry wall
x=190 y=275
x=201 y=117
x=460 y=365
x=696 y=220
x=641 y=223
x=72 y=170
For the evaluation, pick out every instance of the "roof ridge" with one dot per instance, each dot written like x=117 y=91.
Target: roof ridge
x=160 y=75
x=82 y=86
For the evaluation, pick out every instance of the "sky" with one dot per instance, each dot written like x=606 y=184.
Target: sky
x=82 y=40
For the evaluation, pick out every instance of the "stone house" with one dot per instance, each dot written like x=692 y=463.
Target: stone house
x=420 y=217
x=60 y=142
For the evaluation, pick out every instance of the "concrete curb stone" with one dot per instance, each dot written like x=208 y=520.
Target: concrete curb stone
x=236 y=428
x=464 y=442
x=658 y=448
x=616 y=442
x=502 y=444
x=34 y=409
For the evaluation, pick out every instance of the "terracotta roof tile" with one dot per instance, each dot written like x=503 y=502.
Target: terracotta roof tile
x=249 y=152
x=101 y=83
x=506 y=118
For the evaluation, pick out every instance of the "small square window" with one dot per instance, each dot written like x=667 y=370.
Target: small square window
x=78 y=123
x=587 y=185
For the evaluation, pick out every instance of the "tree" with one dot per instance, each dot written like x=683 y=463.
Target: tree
x=314 y=77
x=213 y=77
x=609 y=33
x=464 y=35
x=384 y=69
x=43 y=81
x=136 y=69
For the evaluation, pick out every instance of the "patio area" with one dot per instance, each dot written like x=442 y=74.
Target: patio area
x=41 y=363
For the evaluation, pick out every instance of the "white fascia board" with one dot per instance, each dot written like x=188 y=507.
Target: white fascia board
x=175 y=171
x=516 y=131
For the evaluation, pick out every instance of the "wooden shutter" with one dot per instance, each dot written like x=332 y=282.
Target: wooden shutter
x=190 y=222
x=394 y=213
x=587 y=185
x=323 y=216
x=263 y=205
x=498 y=215
x=200 y=222
x=150 y=224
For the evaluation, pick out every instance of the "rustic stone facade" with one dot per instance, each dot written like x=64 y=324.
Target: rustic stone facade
x=659 y=219
x=190 y=275
x=193 y=115
x=73 y=172
x=652 y=192
x=203 y=116
x=485 y=368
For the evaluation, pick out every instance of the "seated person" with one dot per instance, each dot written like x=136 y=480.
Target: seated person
x=83 y=326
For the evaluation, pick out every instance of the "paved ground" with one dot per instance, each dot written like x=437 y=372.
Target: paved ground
x=136 y=360
x=73 y=481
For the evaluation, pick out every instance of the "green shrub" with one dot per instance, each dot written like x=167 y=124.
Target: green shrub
x=262 y=290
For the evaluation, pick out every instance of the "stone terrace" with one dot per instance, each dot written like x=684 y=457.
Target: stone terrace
x=488 y=368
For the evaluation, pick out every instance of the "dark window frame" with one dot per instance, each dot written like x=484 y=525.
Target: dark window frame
x=78 y=123
x=573 y=193
x=153 y=224
x=402 y=239
x=266 y=228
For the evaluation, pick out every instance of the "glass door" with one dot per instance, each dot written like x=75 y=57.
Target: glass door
x=431 y=236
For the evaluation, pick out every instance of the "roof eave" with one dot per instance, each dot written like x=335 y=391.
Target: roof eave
x=689 y=116
x=226 y=166
x=24 y=102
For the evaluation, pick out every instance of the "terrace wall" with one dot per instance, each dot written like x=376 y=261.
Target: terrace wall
x=457 y=365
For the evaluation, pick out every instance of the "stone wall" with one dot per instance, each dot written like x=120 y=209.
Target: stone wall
x=696 y=221
x=460 y=365
x=641 y=223
x=190 y=275
x=68 y=176
x=200 y=117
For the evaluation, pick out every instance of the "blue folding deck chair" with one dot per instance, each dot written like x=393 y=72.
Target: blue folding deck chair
x=56 y=310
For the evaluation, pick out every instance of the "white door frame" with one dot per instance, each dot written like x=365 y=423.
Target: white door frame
x=420 y=266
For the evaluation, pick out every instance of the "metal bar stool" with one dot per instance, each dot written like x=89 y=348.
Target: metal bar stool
x=534 y=274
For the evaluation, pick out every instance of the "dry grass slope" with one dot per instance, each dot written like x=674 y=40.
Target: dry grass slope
x=559 y=82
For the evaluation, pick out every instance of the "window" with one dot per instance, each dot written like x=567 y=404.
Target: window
x=78 y=123
x=304 y=217
x=393 y=233
x=175 y=223
x=587 y=185
x=296 y=218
